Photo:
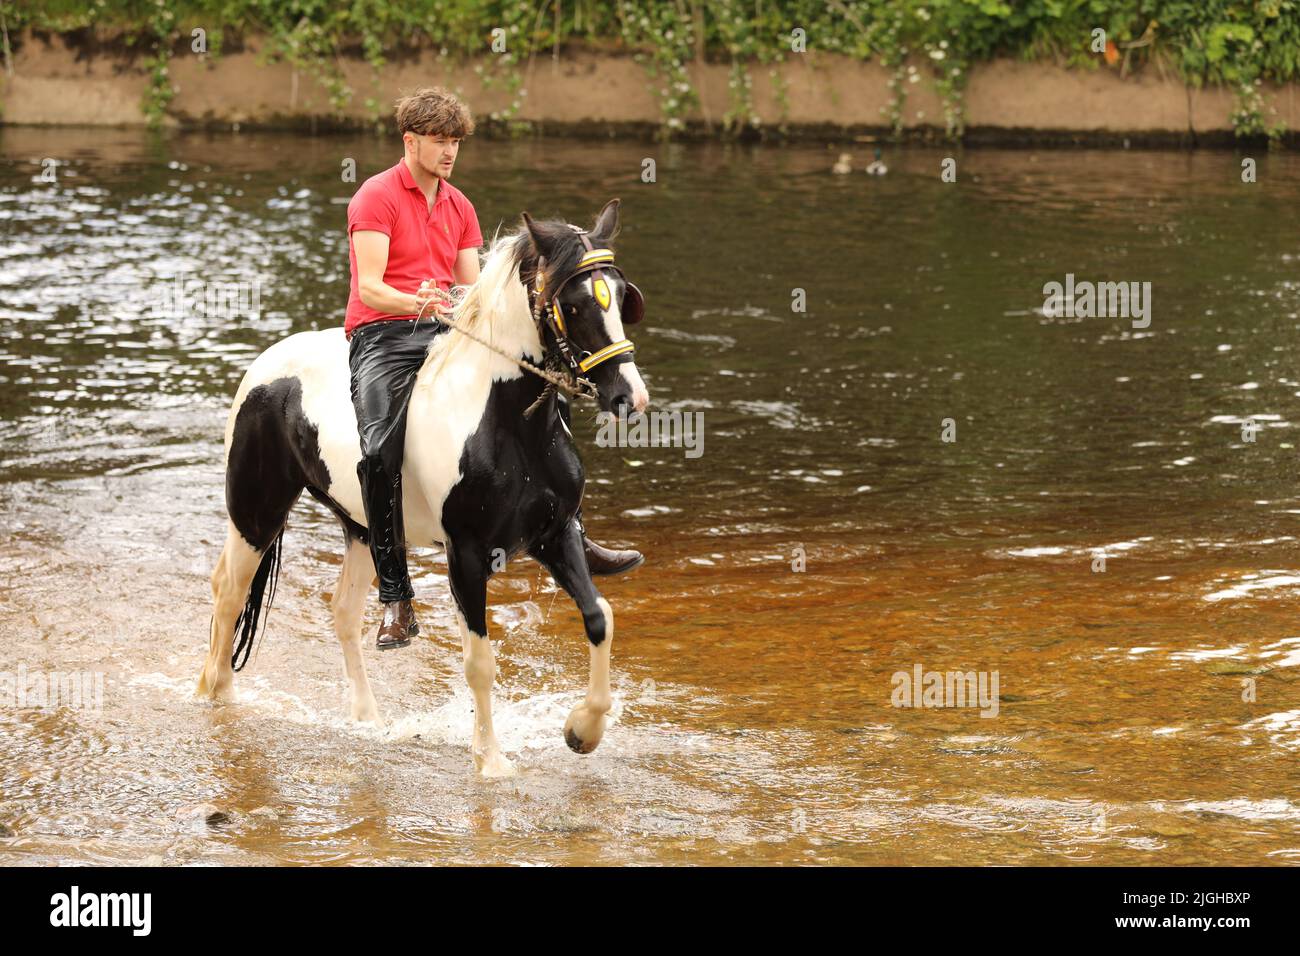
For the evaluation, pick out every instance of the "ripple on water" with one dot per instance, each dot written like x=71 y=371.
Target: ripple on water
x=1268 y=582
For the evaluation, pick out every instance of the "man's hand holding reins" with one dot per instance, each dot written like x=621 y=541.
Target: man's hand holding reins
x=431 y=300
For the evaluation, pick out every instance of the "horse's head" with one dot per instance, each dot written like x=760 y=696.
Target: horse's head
x=586 y=302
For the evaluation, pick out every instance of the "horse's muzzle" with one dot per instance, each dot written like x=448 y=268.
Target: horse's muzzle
x=628 y=393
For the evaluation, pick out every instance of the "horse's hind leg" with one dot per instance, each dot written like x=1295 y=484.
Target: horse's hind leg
x=230 y=582
x=349 y=605
x=564 y=558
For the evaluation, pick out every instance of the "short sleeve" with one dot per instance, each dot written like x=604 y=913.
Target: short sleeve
x=471 y=237
x=372 y=209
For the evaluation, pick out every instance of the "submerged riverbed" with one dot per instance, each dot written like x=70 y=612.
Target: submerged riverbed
x=827 y=538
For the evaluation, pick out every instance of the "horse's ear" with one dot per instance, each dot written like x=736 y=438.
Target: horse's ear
x=535 y=234
x=607 y=225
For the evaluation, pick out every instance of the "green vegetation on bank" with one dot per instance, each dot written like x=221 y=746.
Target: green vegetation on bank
x=1236 y=43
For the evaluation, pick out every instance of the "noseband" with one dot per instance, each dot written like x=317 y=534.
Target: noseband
x=594 y=262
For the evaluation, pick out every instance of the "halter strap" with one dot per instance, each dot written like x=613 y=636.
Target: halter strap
x=608 y=352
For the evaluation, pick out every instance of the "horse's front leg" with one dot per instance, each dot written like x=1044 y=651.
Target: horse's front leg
x=563 y=557
x=467 y=569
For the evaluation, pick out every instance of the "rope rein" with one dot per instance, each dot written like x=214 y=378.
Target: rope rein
x=572 y=386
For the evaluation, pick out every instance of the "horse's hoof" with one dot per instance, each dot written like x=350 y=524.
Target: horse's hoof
x=496 y=766
x=577 y=744
x=214 y=693
x=584 y=729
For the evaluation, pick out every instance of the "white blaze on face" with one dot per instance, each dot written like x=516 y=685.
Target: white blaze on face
x=611 y=316
x=640 y=395
x=613 y=320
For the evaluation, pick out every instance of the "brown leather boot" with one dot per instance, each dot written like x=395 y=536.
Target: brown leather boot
x=398 y=627
x=602 y=560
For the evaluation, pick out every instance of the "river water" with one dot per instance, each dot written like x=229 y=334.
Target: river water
x=1103 y=534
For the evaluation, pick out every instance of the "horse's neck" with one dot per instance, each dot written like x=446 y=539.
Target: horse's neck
x=507 y=389
x=512 y=336
x=516 y=333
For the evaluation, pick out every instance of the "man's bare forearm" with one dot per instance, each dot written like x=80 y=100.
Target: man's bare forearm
x=382 y=297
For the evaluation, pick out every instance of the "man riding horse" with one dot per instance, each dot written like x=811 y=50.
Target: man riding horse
x=410 y=229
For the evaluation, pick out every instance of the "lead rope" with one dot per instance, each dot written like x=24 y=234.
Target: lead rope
x=576 y=387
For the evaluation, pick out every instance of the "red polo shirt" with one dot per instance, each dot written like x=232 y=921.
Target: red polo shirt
x=422 y=244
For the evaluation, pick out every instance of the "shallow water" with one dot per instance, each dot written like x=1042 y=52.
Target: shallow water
x=753 y=718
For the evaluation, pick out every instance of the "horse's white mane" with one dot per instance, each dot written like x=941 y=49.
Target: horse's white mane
x=495 y=308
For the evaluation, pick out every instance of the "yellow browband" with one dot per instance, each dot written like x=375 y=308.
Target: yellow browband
x=593 y=257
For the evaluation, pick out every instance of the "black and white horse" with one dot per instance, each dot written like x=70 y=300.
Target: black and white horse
x=480 y=478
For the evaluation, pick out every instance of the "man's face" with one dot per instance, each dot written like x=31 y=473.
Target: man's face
x=435 y=153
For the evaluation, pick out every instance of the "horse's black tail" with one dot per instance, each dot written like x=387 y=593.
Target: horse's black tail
x=246 y=623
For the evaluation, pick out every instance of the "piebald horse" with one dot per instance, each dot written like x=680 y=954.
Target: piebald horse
x=488 y=470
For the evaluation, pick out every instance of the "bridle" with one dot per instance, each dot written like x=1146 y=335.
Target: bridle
x=632 y=308
x=547 y=310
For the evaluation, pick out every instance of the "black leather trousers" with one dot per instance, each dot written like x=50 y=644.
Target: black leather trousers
x=384 y=357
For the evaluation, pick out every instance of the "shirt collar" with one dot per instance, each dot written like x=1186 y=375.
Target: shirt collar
x=408 y=182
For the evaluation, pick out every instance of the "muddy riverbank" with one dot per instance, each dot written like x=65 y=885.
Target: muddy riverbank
x=61 y=80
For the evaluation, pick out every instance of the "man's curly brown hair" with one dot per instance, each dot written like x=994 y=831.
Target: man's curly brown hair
x=434 y=112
